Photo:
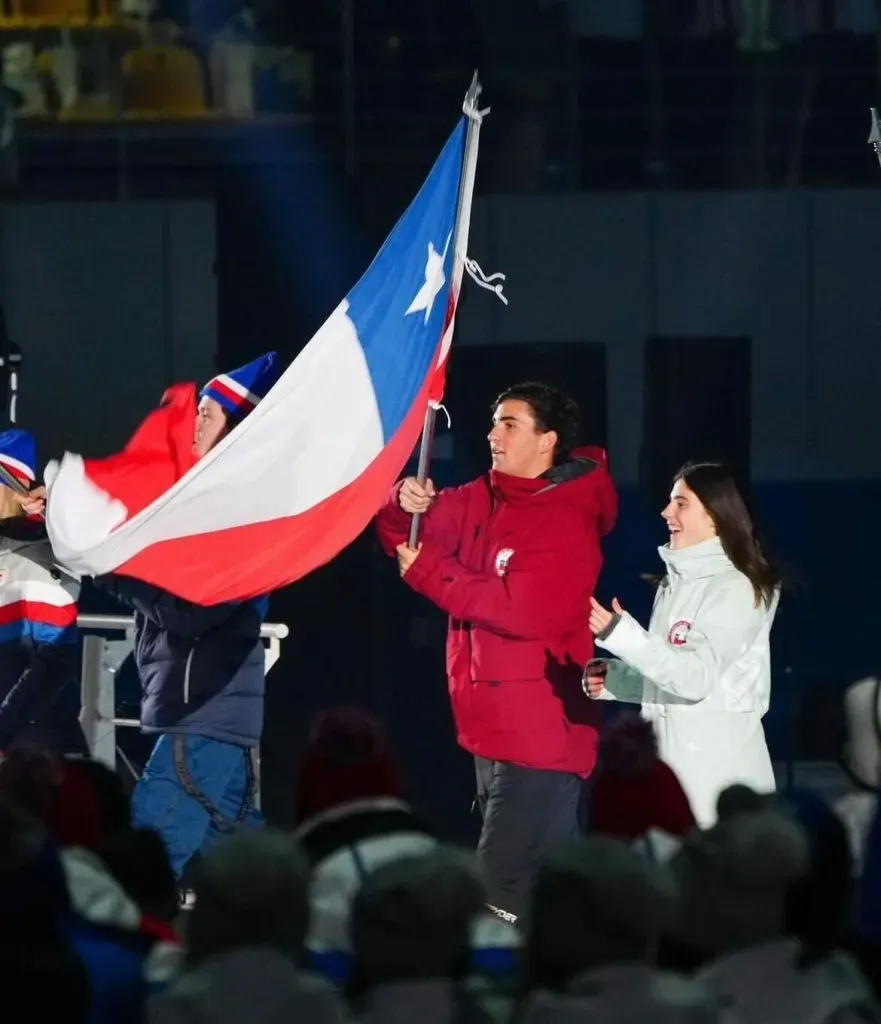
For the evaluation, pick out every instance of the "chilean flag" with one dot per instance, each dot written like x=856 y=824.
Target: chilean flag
x=305 y=472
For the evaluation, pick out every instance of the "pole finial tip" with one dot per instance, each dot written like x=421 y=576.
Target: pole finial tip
x=469 y=105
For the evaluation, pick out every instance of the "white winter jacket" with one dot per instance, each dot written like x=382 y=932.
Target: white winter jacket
x=702 y=673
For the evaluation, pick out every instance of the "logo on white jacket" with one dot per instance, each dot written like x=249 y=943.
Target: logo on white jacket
x=503 y=558
x=678 y=635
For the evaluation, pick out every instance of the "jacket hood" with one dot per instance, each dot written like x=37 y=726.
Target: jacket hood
x=583 y=480
x=699 y=561
x=348 y=810
x=99 y=900
x=94 y=892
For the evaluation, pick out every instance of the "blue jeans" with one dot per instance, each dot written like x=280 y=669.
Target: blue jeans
x=194 y=791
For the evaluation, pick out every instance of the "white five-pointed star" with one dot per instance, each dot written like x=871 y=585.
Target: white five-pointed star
x=435 y=279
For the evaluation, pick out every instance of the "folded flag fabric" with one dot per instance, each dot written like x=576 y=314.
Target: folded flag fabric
x=304 y=473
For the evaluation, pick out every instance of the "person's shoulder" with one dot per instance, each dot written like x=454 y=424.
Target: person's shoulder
x=731 y=581
x=725 y=588
x=734 y=591
x=474 y=493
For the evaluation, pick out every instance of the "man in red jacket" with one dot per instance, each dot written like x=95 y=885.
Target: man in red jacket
x=513 y=558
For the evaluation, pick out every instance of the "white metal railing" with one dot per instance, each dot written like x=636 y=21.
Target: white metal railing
x=102 y=658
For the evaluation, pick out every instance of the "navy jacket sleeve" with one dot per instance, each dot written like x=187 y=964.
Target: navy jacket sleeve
x=168 y=612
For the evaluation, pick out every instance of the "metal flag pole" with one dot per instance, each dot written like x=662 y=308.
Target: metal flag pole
x=875 y=134
x=7 y=478
x=460 y=244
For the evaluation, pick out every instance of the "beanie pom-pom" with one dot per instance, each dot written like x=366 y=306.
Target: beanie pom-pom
x=628 y=748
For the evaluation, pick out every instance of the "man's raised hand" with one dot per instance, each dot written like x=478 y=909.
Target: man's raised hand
x=416 y=498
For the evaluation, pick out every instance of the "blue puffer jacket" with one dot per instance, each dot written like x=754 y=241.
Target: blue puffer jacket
x=202 y=669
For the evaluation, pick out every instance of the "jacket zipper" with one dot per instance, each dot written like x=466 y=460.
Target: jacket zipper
x=187 y=674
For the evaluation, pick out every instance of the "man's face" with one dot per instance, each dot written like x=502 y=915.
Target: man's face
x=518 y=448
x=211 y=426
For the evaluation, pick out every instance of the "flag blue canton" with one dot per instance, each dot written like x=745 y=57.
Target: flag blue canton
x=399 y=305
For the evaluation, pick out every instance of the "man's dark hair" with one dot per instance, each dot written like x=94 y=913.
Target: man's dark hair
x=551 y=410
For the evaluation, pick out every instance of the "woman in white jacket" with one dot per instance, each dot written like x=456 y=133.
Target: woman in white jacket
x=702 y=670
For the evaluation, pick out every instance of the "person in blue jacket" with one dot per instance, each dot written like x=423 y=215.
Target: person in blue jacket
x=202 y=674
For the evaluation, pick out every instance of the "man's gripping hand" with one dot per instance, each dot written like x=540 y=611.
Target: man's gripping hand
x=416 y=498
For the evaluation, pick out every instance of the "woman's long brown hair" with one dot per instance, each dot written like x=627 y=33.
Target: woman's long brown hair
x=717 y=490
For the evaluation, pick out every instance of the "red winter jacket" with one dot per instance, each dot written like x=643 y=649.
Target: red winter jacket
x=514 y=563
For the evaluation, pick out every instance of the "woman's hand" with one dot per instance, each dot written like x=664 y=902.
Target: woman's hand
x=406 y=557
x=594 y=680
x=601 y=618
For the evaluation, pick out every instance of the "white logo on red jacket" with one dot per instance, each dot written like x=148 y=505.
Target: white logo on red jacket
x=502 y=560
x=678 y=634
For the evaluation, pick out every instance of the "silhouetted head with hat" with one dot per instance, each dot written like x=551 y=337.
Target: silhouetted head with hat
x=229 y=397
x=634 y=791
x=347 y=758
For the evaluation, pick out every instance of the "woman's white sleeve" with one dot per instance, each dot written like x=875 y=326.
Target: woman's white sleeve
x=725 y=627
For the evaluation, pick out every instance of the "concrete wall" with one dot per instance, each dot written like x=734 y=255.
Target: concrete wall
x=110 y=303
